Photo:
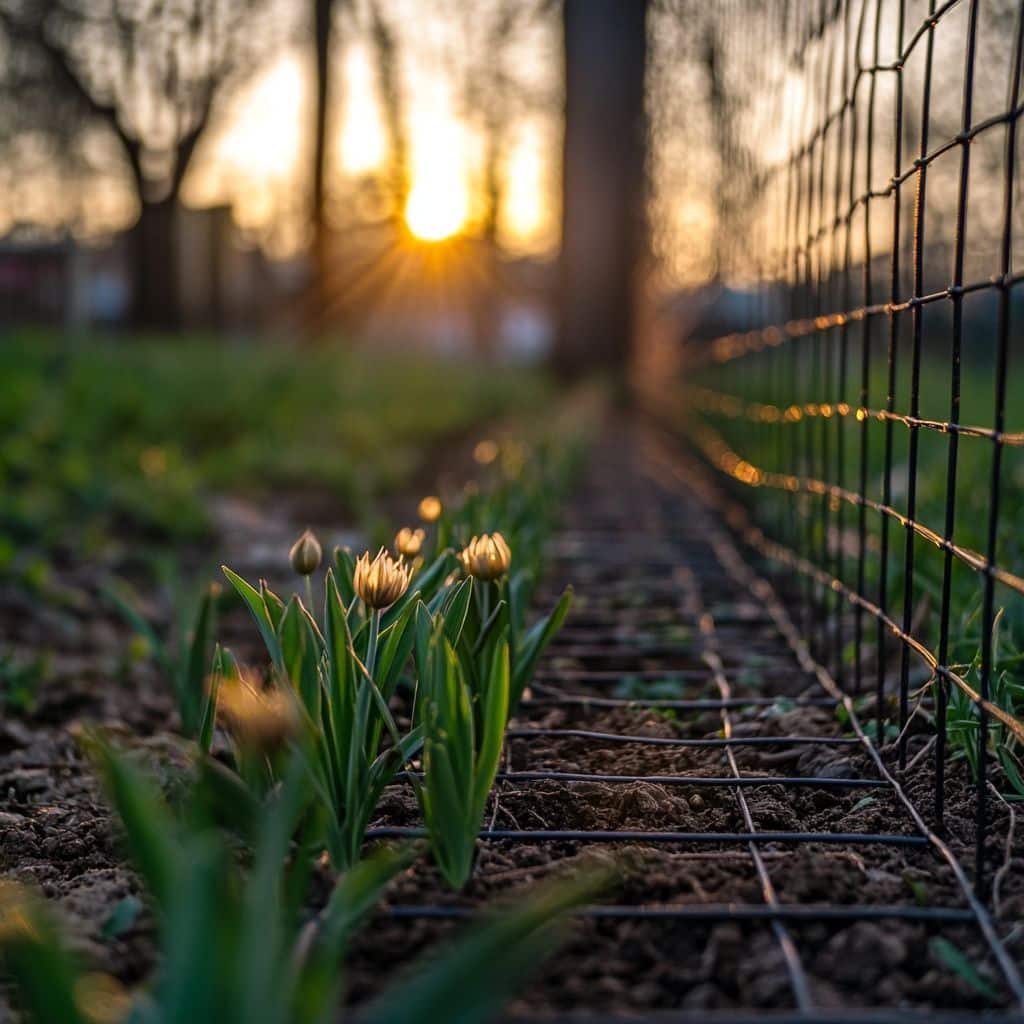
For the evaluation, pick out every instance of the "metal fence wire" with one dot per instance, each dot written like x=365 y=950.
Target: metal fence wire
x=869 y=411
x=866 y=233
x=608 y=679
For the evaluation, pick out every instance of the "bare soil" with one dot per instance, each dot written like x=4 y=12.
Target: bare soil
x=646 y=585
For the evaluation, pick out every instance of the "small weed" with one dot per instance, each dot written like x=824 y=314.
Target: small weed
x=635 y=688
x=184 y=659
x=20 y=679
x=863 y=803
x=1006 y=692
x=956 y=961
x=917 y=888
x=121 y=918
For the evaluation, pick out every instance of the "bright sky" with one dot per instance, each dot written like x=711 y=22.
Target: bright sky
x=257 y=158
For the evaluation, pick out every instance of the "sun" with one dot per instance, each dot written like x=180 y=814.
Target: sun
x=436 y=209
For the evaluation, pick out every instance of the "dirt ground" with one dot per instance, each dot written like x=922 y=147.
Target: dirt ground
x=654 y=599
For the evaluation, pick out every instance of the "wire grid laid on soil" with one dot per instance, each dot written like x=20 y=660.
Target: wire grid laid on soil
x=884 y=243
x=680 y=729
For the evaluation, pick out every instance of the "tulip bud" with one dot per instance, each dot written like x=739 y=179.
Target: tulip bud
x=409 y=542
x=306 y=554
x=485 y=452
x=430 y=509
x=260 y=719
x=381 y=582
x=101 y=998
x=486 y=557
x=18 y=910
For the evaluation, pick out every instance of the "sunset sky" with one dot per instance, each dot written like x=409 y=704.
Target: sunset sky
x=256 y=157
x=255 y=154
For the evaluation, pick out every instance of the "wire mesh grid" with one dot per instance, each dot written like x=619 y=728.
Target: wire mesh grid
x=670 y=616
x=869 y=412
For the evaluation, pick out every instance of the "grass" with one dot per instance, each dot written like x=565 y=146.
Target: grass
x=103 y=440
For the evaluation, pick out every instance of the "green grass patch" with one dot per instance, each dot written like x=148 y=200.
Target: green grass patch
x=127 y=437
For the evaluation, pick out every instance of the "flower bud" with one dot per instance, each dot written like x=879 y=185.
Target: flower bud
x=486 y=557
x=408 y=542
x=18 y=913
x=306 y=554
x=430 y=509
x=101 y=998
x=485 y=452
x=259 y=719
x=381 y=582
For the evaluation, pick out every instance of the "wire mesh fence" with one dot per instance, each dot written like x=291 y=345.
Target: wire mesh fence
x=870 y=407
x=681 y=687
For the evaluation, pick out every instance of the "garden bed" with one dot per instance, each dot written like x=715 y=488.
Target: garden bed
x=845 y=905
x=870 y=914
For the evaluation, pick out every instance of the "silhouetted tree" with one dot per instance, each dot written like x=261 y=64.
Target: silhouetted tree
x=150 y=72
x=323 y=18
x=384 y=41
x=604 y=181
x=494 y=95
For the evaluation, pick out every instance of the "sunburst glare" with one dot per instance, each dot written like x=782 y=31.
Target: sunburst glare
x=437 y=208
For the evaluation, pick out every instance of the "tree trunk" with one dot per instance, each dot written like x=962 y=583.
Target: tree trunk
x=155 y=280
x=323 y=11
x=604 y=182
x=385 y=45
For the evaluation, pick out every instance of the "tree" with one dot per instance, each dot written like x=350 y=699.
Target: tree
x=604 y=181
x=323 y=16
x=385 y=43
x=150 y=72
x=494 y=94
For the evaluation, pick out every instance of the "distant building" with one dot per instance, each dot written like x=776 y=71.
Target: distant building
x=72 y=285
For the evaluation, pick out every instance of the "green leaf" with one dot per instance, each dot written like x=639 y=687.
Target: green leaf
x=121 y=918
x=456 y=609
x=261 y=924
x=192 y=687
x=192 y=975
x=426 y=626
x=423 y=586
x=230 y=801
x=35 y=958
x=471 y=982
x=383 y=711
x=124 y=602
x=517 y=593
x=317 y=984
x=149 y=830
x=208 y=720
x=954 y=960
x=452 y=835
x=534 y=644
x=495 y=715
x=1010 y=767
x=339 y=705
x=396 y=643
x=274 y=604
x=256 y=604
x=301 y=651
x=354 y=897
x=345 y=567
